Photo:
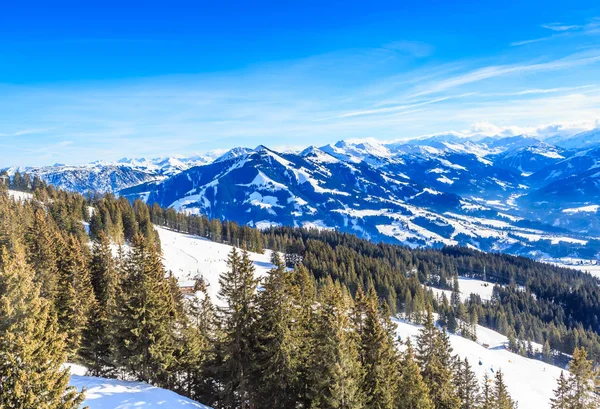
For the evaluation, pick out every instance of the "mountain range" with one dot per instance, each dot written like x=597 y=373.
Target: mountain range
x=516 y=194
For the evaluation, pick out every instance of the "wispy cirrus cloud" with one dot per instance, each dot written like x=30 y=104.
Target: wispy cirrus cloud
x=561 y=30
x=561 y=27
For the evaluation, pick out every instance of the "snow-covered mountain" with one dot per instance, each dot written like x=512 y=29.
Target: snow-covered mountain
x=512 y=194
x=105 y=177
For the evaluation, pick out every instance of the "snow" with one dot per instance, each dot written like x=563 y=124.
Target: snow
x=530 y=382
x=102 y=393
x=188 y=256
x=583 y=209
x=444 y=179
x=466 y=287
x=20 y=196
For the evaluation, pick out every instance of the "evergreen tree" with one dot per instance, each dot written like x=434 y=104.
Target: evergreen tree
x=487 y=393
x=335 y=373
x=582 y=381
x=277 y=343
x=433 y=355
x=238 y=288
x=562 y=394
x=501 y=397
x=412 y=392
x=97 y=351
x=547 y=353
x=467 y=385
x=75 y=297
x=377 y=353
x=145 y=315
x=306 y=301
x=31 y=347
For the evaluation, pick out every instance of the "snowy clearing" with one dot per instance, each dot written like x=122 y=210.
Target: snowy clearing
x=468 y=286
x=105 y=393
x=20 y=196
x=189 y=256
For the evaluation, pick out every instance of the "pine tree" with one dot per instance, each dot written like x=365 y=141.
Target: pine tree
x=547 y=353
x=434 y=358
x=501 y=397
x=41 y=242
x=412 y=391
x=75 y=297
x=277 y=344
x=97 y=349
x=581 y=381
x=467 y=385
x=238 y=288
x=377 y=353
x=194 y=339
x=31 y=347
x=306 y=301
x=145 y=316
x=335 y=372
x=487 y=394
x=562 y=394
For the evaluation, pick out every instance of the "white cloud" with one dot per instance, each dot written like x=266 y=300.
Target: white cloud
x=561 y=27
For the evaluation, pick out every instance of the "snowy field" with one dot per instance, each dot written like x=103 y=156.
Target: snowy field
x=529 y=381
x=188 y=256
x=468 y=286
x=20 y=196
x=583 y=265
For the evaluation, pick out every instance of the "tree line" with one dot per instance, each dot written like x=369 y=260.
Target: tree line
x=315 y=336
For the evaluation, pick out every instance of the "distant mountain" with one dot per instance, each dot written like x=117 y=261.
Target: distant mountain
x=513 y=194
x=581 y=140
x=531 y=158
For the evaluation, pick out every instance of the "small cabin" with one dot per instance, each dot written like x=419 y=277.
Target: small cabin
x=187 y=287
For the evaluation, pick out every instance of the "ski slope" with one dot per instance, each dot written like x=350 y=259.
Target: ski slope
x=188 y=256
x=530 y=382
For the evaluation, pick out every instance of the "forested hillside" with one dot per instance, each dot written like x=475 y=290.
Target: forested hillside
x=318 y=335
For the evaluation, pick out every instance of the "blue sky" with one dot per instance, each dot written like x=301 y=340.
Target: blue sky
x=79 y=84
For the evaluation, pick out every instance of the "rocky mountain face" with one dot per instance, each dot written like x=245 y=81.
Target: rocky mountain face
x=516 y=194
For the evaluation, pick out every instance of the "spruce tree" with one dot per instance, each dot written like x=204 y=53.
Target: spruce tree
x=582 y=381
x=97 y=351
x=487 y=393
x=501 y=397
x=377 y=353
x=41 y=242
x=145 y=316
x=335 y=373
x=31 y=347
x=434 y=358
x=467 y=385
x=562 y=394
x=412 y=391
x=304 y=282
x=238 y=292
x=277 y=341
x=75 y=297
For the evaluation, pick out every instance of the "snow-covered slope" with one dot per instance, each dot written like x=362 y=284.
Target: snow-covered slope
x=19 y=196
x=529 y=381
x=188 y=256
x=103 y=393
